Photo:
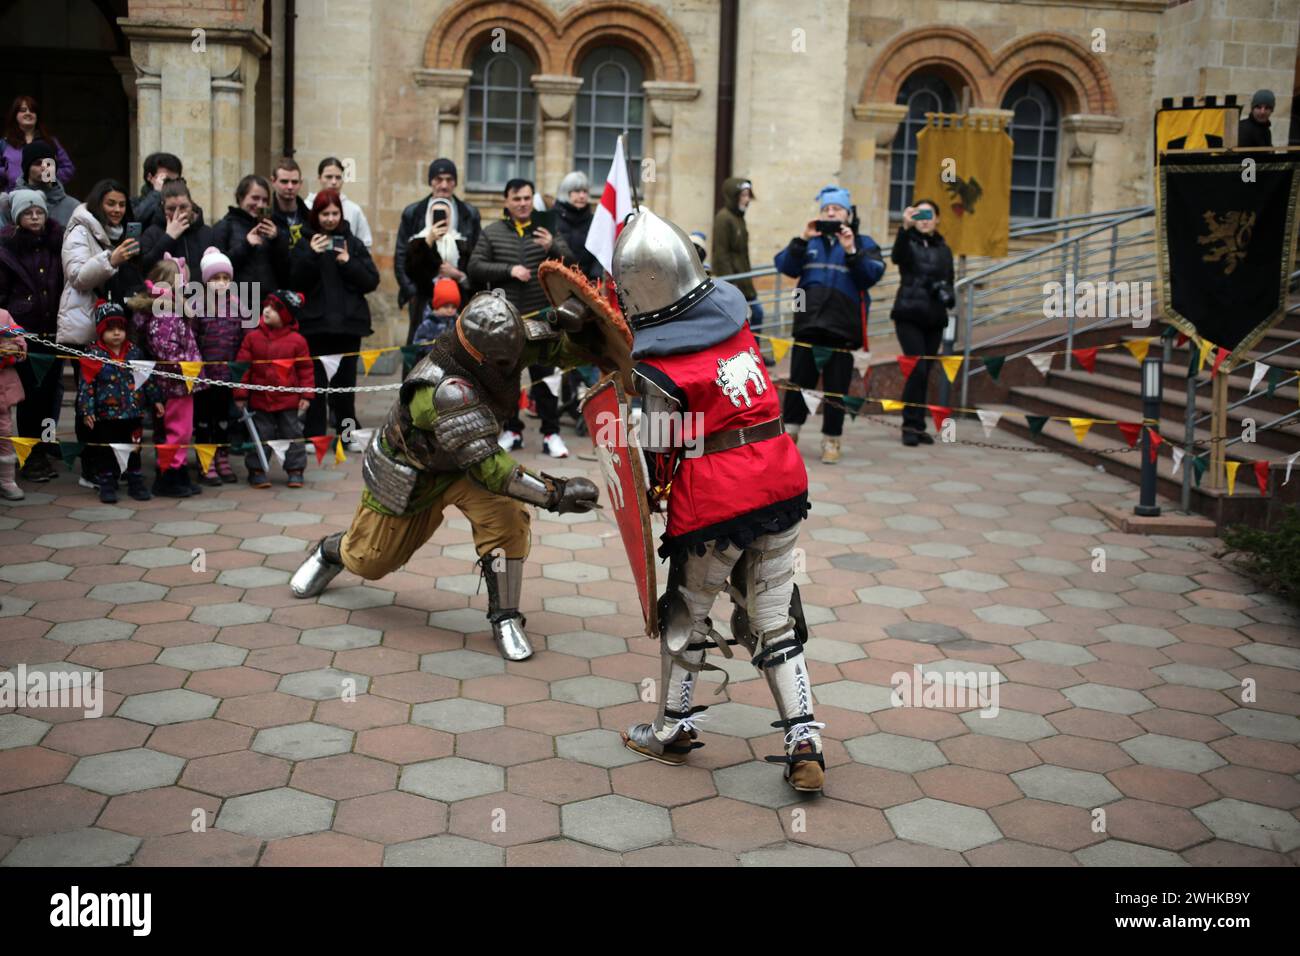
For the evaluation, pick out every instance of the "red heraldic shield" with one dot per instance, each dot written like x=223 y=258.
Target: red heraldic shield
x=623 y=468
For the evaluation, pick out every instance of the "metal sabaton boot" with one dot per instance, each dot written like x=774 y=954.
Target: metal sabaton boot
x=503 y=589
x=321 y=567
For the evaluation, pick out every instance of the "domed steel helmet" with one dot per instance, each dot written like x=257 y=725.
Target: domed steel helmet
x=656 y=270
x=491 y=331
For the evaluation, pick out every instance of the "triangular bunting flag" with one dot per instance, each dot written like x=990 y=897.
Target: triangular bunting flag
x=322 y=444
x=552 y=383
x=1035 y=423
x=1178 y=458
x=853 y=404
x=821 y=355
x=122 y=451
x=191 y=371
x=890 y=405
x=90 y=368
x=1080 y=426
x=1259 y=372
x=1180 y=339
x=331 y=365
x=1199 y=464
x=989 y=420
x=1156 y=442
x=994 y=364
x=1138 y=349
x=1289 y=462
x=940 y=414
x=523 y=399
x=1087 y=358
x=279 y=446
x=781 y=348
x=813 y=399
x=1130 y=431
x=141 y=369
x=410 y=355
x=1042 y=361
x=238 y=370
x=1206 y=347
x=339 y=457
x=1261 y=476
x=1219 y=356
x=368 y=357
x=1231 y=468
x=951 y=366
x=40 y=364
x=69 y=450
x=170 y=456
x=205 y=453
x=907 y=364
x=23 y=447
x=285 y=363
x=1275 y=376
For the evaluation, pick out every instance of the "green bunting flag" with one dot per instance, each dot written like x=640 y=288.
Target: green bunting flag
x=1199 y=465
x=1036 y=423
x=410 y=355
x=40 y=365
x=1274 y=379
x=853 y=405
x=237 y=370
x=69 y=450
x=994 y=364
x=821 y=355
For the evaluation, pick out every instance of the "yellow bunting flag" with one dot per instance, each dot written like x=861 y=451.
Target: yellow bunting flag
x=1232 y=467
x=889 y=405
x=368 y=357
x=23 y=447
x=951 y=366
x=1206 y=348
x=339 y=457
x=1139 y=348
x=191 y=371
x=780 y=348
x=1080 y=426
x=205 y=453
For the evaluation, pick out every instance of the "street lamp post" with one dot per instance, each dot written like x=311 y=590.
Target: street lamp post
x=1152 y=382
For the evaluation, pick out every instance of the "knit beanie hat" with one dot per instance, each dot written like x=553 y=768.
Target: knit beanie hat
x=21 y=200
x=836 y=195
x=446 y=292
x=440 y=166
x=1261 y=98
x=108 y=314
x=215 y=262
x=287 y=303
x=34 y=152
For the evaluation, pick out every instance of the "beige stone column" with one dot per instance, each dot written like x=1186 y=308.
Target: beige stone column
x=148 y=109
x=874 y=152
x=448 y=89
x=660 y=97
x=555 y=98
x=1082 y=133
x=126 y=72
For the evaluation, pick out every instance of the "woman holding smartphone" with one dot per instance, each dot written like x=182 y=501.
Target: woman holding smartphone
x=333 y=270
x=258 y=249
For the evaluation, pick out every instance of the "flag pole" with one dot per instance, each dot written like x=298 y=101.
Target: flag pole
x=631 y=180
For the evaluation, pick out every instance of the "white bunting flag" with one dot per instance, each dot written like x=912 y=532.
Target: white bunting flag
x=1178 y=458
x=552 y=382
x=141 y=370
x=1289 y=462
x=813 y=399
x=122 y=451
x=279 y=446
x=1042 y=361
x=1260 y=371
x=331 y=365
x=989 y=420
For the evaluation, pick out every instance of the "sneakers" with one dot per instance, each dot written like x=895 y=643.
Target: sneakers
x=108 y=488
x=9 y=489
x=258 y=479
x=554 y=445
x=509 y=440
x=84 y=482
x=830 y=450
x=38 y=467
x=135 y=486
x=224 y=471
x=295 y=479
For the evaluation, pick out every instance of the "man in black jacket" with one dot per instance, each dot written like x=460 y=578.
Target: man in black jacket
x=1255 y=129
x=159 y=170
x=288 y=211
x=442 y=184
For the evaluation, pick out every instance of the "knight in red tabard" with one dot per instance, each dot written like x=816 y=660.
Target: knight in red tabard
x=736 y=487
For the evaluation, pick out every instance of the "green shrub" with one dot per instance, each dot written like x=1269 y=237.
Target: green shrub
x=1271 y=557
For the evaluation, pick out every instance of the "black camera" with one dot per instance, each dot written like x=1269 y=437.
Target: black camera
x=941 y=290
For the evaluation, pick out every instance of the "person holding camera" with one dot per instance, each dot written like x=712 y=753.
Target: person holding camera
x=835 y=266
x=184 y=236
x=920 y=313
x=333 y=270
x=257 y=247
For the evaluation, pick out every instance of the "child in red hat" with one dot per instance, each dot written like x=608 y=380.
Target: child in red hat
x=439 y=314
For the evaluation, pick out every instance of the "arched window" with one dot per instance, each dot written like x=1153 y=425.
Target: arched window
x=609 y=103
x=501 y=118
x=922 y=93
x=1034 y=130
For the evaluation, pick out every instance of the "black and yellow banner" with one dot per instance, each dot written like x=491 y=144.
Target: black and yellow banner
x=964 y=164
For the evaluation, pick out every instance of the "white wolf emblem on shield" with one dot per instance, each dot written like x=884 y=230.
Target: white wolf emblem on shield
x=735 y=374
x=609 y=462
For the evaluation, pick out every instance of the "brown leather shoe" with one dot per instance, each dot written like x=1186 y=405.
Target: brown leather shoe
x=807 y=775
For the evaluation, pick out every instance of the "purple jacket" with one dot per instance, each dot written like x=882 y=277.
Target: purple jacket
x=220 y=335
x=11 y=165
x=169 y=340
x=31 y=276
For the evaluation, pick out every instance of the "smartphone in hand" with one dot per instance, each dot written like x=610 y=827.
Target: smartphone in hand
x=338 y=243
x=132 y=230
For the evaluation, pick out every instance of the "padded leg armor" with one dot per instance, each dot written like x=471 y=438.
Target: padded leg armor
x=503 y=589
x=321 y=567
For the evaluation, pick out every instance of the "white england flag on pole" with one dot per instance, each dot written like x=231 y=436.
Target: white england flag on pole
x=615 y=204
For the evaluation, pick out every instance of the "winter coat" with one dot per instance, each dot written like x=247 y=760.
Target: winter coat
x=189 y=245
x=922 y=260
x=59 y=206
x=31 y=276
x=260 y=346
x=336 y=294
x=500 y=248
x=573 y=224
x=353 y=216
x=1251 y=133
x=147 y=208
x=266 y=264
x=835 y=287
x=86 y=273
x=11 y=164
x=731 y=238
x=112 y=394
x=468 y=224
x=295 y=232
x=11 y=387
x=168 y=340
x=220 y=334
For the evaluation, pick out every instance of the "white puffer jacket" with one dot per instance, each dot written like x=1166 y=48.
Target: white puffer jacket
x=86 y=268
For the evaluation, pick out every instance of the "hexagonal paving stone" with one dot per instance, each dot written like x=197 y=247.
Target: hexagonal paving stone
x=273 y=544
x=11 y=606
x=941 y=549
x=1010 y=616
x=185 y=529
x=756 y=782
x=616 y=823
x=947 y=488
x=230 y=615
x=1076 y=525
x=925 y=633
x=1172 y=753
x=1009 y=724
x=254 y=577
x=125 y=771
x=328 y=683
x=916 y=524
x=451 y=778
x=341 y=637
x=358 y=598
x=973 y=581
x=1045 y=497
x=979 y=509
x=1097 y=600
x=853 y=695
x=202 y=657
x=444 y=850
x=101 y=513
x=1136 y=634
x=88 y=847
x=275 y=814
x=168 y=707
x=1258 y=723
x=572 y=541
x=458 y=715
x=462 y=620
x=69 y=539
x=888 y=497
x=1077 y=788
x=90 y=632
x=831 y=651
x=942 y=824
x=462 y=664
x=575 y=572
x=127 y=592
x=1274 y=655
x=1120 y=853
x=601 y=748
x=862 y=562
x=887 y=596
x=894 y=752
x=587 y=644
x=157 y=557
x=1016 y=539
x=467 y=584
x=1114 y=700
x=1251 y=824
x=740 y=720
x=1189 y=675
x=579 y=606
x=19 y=731
x=592 y=691
x=839 y=535
x=1054 y=652
x=1062 y=569
x=303 y=741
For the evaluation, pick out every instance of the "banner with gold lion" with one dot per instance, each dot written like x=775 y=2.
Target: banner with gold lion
x=1226 y=228
x=964 y=164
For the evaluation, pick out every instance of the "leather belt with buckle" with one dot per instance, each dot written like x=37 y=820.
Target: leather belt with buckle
x=725 y=441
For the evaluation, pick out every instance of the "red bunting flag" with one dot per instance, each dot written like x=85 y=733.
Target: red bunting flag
x=284 y=363
x=1178 y=342
x=940 y=414
x=170 y=456
x=90 y=368
x=907 y=363
x=322 y=444
x=1218 y=360
x=1130 y=431
x=1156 y=442
x=523 y=399
x=1261 y=476
x=1087 y=358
